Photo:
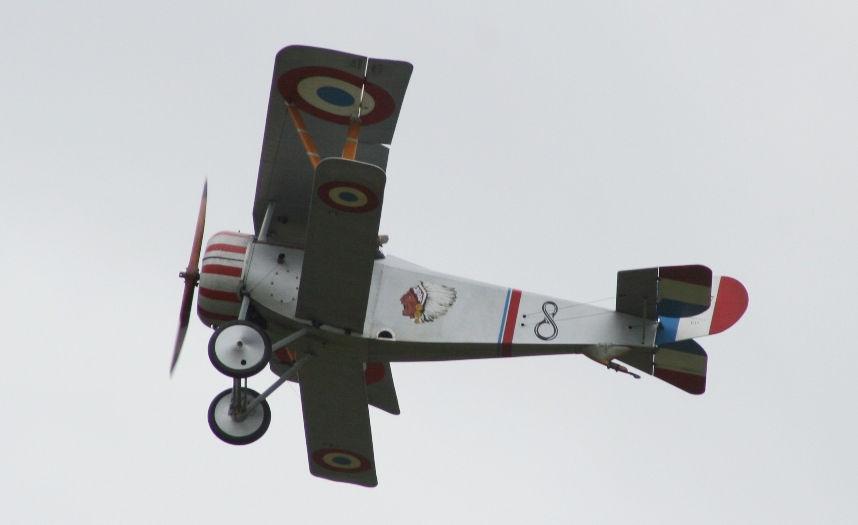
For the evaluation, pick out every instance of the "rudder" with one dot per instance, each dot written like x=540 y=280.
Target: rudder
x=730 y=303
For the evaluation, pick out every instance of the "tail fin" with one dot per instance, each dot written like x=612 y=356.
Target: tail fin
x=730 y=303
x=687 y=301
x=682 y=364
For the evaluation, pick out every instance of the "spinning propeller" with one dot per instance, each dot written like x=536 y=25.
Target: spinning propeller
x=191 y=275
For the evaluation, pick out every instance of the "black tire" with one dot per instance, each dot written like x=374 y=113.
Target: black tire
x=243 y=439
x=239 y=373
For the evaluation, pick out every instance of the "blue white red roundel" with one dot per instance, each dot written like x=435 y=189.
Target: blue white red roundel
x=333 y=95
x=340 y=460
x=348 y=196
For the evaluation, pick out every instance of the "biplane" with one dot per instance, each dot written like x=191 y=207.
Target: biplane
x=312 y=296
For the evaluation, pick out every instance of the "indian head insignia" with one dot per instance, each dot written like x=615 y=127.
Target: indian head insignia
x=427 y=301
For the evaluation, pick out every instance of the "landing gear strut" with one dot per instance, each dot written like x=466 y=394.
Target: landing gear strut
x=239 y=349
x=230 y=419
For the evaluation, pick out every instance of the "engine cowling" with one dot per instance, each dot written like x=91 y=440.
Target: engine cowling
x=221 y=273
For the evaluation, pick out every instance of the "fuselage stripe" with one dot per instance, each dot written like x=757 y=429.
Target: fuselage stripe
x=503 y=316
x=509 y=325
x=233 y=234
x=214 y=315
x=219 y=295
x=223 y=247
x=220 y=269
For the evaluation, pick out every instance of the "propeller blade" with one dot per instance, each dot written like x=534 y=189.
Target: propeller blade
x=184 y=318
x=191 y=275
x=194 y=261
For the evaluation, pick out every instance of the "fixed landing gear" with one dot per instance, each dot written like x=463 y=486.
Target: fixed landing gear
x=234 y=421
x=240 y=349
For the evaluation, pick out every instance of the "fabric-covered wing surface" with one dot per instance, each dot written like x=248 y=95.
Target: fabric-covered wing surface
x=336 y=420
x=682 y=364
x=342 y=239
x=326 y=87
x=380 y=390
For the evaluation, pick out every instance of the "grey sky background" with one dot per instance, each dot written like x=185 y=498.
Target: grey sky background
x=541 y=145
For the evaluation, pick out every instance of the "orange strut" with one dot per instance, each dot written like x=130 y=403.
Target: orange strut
x=304 y=135
x=350 y=147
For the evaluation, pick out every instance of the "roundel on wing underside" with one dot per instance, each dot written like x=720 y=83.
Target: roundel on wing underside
x=332 y=94
x=348 y=196
x=337 y=96
x=340 y=460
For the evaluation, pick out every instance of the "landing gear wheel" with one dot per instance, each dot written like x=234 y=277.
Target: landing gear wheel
x=238 y=430
x=239 y=349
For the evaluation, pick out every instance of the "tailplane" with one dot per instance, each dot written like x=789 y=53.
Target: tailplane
x=682 y=364
x=674 y=291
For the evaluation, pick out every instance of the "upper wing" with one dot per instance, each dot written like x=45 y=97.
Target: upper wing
x=336 y=420
x=342 y=239
x=328 y=88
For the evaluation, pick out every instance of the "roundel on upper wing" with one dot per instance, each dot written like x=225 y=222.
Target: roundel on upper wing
x=332 y=94
x=340 y=460
x=348 y=196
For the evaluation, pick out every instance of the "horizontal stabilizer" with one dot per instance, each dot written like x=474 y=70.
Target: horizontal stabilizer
x=682 y=364
x=674 y=291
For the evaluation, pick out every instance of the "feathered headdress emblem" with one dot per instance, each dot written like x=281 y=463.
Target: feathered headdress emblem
x=427 y=301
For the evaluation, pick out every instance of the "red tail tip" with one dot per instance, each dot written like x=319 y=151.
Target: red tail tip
x=730 y=305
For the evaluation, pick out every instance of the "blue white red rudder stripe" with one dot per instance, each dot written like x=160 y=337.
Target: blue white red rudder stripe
x=729 y=303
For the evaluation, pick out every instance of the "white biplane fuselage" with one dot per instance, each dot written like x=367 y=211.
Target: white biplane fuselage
x=413 y=314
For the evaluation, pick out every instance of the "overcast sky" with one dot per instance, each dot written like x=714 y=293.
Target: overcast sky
x=542 y=146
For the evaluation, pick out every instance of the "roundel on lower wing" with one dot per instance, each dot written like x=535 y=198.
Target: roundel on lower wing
x=331 y=94
x=340 y=460
x=373 y=373
x=348 y=196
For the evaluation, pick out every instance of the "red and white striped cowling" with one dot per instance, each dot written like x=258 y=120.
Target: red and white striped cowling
x=219 y=296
